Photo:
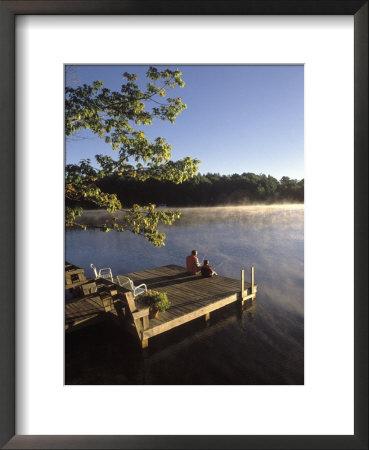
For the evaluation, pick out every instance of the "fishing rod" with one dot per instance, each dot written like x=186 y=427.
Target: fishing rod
x=205 y=254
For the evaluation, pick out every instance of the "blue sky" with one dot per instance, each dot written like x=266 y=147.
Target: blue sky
x=238 y=118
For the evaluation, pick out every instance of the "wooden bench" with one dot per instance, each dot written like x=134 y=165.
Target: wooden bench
x=89 y=288
x=74 y=277
x=140 y=315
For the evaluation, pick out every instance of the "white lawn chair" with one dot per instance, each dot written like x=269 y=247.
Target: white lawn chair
x=102 y=273
x=128 y=284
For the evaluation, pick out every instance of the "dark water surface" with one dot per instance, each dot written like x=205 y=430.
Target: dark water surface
x=262 y=344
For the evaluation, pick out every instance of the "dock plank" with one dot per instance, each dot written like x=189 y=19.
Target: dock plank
x=168 y=325
x=187 y=293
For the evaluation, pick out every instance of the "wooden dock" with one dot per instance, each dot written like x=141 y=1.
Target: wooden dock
x=191 y=297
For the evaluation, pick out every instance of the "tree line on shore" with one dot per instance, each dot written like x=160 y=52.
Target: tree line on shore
x=206 y=190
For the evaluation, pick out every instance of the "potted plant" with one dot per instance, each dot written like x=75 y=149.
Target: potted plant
x=157 y=301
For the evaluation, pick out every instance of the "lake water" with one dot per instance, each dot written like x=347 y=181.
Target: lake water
x=262 y=344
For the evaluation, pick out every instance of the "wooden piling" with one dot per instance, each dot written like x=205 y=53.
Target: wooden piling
x=253 y=281
x=242 y=284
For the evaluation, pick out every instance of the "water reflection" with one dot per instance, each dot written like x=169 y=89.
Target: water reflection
x=261 y=345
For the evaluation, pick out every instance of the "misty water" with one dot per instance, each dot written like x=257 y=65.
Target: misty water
x=260 y=344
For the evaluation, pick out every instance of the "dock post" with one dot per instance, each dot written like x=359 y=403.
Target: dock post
x=207 y=317
x=253 y=281
x=107 y=301
x=145 y=322
x=242 y=285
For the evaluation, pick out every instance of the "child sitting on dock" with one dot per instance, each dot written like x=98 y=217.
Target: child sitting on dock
x=192 y=263
x=207 y=270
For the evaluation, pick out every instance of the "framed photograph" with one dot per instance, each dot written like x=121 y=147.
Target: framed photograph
x=201 y=201
x=287 y=371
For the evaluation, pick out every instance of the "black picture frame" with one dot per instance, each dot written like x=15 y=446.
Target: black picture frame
x=8 y=11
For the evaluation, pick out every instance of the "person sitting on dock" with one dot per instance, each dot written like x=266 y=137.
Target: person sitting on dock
x=192 y=263
x=206 y=270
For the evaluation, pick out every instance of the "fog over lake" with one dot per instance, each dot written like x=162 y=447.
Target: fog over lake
x=261 y=345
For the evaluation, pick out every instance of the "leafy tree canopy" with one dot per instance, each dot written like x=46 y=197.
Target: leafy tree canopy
x=118 y=117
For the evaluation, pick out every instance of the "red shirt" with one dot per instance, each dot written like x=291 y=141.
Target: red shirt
x=192 y=264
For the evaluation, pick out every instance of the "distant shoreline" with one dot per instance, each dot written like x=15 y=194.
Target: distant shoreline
x=206 y=190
